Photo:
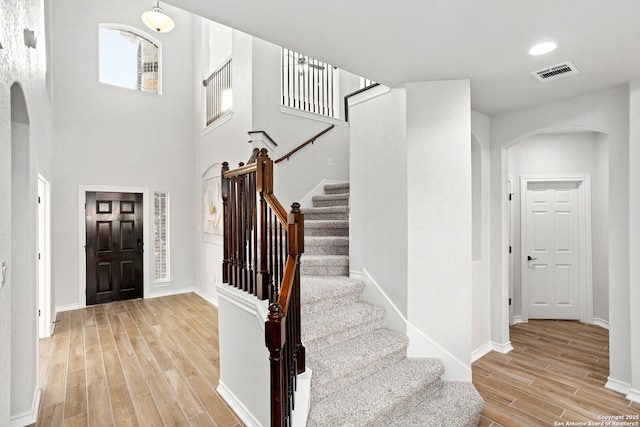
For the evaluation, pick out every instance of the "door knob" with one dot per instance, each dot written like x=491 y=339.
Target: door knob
x=530 y=259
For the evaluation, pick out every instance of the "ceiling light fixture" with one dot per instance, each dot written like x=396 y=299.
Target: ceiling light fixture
x=157 y=20
x=542 y=48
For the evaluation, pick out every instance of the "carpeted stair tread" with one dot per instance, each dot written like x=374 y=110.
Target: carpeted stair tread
x=347 y=362
x=326 y=212
x=330 y=200
x=373 y=401
x=456 y=404
x=336 y=188
x=326 y=328
x=325 y=260
x=326 y=245
x=321 y=292
x=329 y=227
x=361 y=375
x=324 y=265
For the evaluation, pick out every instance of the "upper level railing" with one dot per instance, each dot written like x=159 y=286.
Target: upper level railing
x=262 y=246
x=309 y=84
x=218 y=92
x=368 y=85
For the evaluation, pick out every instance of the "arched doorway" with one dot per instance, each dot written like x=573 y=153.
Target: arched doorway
x=23 y=267
x=548 y=159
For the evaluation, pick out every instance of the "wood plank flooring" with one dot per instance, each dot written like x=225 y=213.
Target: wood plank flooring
x=147 y=362
x=155 y=363
x=555 y=374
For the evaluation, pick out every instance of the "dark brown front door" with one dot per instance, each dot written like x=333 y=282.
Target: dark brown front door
x=114 y=246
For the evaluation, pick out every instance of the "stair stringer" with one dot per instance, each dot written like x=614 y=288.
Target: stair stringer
x=420 y=345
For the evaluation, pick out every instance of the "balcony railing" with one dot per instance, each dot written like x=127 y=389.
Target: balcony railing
x=308 y=84
x=218 y=92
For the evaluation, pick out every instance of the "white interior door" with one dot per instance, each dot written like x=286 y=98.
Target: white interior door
x=551 y=249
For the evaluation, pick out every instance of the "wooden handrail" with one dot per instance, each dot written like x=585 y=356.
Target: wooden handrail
x=258 y=260
x=354 y=93
x=304 y=144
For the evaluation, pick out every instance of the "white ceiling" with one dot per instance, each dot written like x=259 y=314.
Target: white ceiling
x=486 y=41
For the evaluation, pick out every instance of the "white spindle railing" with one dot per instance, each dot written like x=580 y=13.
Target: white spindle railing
x=309 y=84
x=218 y=92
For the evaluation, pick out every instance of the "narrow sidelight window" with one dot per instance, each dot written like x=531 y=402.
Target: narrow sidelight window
x=161 y=233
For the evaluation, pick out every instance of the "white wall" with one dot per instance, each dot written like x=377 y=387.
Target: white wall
x=411 y=219
x=557 y=154
x=295 y=177
x=108 y=136
x=378 y=216
x=481 y=265
x=27 y=106
x=606 y=112
x=634 y=238
x=256 y=106
x=439 y=214
x=217 y=144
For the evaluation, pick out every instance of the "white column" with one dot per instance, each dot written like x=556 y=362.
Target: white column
x=439 y=215
x=634 y=239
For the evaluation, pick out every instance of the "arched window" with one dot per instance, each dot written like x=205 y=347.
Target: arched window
x=129 y=58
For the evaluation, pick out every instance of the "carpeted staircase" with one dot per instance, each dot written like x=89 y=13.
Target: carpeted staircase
x=361 y=374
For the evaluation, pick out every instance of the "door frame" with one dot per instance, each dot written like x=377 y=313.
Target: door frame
x=513 y=319
x=585 y=299
x=82 y=258
x=45 y=320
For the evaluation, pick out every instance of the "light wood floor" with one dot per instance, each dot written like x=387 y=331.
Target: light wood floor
x=556 y=373
x=137 y=363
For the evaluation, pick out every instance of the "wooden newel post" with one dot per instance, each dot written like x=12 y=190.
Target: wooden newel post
x=296 y=248
x=274 y=337
x=225 y=223
x=262 y=184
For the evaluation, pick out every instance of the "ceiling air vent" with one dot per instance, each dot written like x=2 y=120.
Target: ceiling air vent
x=555 y=72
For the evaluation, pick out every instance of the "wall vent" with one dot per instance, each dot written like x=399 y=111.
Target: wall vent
x=557 y=71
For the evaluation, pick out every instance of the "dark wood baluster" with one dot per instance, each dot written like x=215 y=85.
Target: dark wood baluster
x=236 y=228
x=273 y=335
x=250 y=226
x=225 y=217
x=270 y=254
x=263 y=280
x=240 y=232
x=232 y=220
x=296 y=248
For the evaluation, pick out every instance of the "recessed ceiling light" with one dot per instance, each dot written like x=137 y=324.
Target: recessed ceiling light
x=542 y=48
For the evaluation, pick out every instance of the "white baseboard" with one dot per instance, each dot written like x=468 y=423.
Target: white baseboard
x=67 y=307
x=481 y=351
x=209 y=298
x=234 y=403
x=420 y=345
x=518 y=319
x=503 y=348
x=29 y=417
x=601 y=322
x=616 y=385
x=167 y=292
x=634 y=395
x=160 y=294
